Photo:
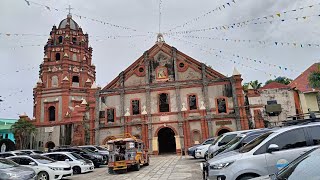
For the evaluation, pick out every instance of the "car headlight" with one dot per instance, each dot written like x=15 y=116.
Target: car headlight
x=56 y=168
x=97 y=156
x=221 y=165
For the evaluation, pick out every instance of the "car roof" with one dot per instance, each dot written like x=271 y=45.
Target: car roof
x=287 y=128
x=58 y=152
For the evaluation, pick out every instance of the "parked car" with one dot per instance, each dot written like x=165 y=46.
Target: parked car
x=203 y=150
x=12 y=153
x=192 y=149
x=264 y=155
x=44 y=167
x=239 y=141
x=297 y=168
x=31 y=151
x=96 y=158
x=104 y=152
x=11 y=170
x=78 y=163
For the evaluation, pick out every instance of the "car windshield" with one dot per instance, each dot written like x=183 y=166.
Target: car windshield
x=248 y=147
x=304 y=167
x=38 y=152
x=86 y=150
x=219 y=137
x=233 y=142
x=42 y=159
x=75 y=156
x=101 y=148
x=6 y=163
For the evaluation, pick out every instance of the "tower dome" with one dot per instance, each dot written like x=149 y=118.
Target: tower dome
x=69 y=21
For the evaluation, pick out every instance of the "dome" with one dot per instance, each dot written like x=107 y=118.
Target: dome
x=73 y=24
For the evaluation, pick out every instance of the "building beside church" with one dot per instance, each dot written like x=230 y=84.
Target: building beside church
x=170 y=101
x=64 y=96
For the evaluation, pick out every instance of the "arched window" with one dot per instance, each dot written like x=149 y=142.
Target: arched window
x=74 y=57
x=60 y=39
x=222 y=106
x=75 y=81
x=193 y=102
x=74 y=40
x=57 y=56
x=54 y=81
x=52 y=113
x=163 y=102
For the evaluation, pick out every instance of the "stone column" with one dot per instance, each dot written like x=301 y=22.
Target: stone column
x=206 y=99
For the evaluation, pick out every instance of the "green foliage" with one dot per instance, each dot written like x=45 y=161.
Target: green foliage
x=255 y=85
x=280 y=79
x=314 y=79
x=23 y=129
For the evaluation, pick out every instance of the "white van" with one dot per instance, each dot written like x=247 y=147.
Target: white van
x=264 y=155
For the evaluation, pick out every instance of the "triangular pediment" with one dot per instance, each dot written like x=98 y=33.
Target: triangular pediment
x=160 y=64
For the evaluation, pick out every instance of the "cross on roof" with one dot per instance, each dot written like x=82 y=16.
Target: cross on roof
x=69 y=9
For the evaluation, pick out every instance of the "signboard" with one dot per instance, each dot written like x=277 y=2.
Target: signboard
x=223 y=123
x=48 y=129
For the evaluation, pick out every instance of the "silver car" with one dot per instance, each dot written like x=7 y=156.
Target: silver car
x=12 y=170
x=265 y=155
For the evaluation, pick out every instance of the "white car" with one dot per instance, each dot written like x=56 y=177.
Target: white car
x=12 y=153
x=77 y=162
x=31 y=151
x=45 y=168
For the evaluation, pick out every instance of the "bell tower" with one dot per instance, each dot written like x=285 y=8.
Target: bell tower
x=64 y=96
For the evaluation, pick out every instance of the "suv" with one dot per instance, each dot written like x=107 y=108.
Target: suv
x=264 y=155
x=239 y=141
x=96 y=158
x=192 y=149
x=104 y=152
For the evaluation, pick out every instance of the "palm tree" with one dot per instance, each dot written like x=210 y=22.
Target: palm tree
x=256 y=84
x=22 y=130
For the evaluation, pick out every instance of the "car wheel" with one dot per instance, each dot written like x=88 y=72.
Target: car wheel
x=110 y=171
x=76 y=170
x=137 y=167
x=148 y=160
x=246 y=177
x=43 y=176
x=96 y=165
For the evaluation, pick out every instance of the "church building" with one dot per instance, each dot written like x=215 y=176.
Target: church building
x=171 y=101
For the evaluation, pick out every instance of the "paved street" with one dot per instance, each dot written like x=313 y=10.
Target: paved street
x=161 y=167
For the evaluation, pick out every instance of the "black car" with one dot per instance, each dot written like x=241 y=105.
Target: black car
x=12 y=170
x=192 y=149
x=96 y=158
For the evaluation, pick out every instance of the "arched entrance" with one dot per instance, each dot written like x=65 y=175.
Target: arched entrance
x=222 y=131
x=50 y=145
x=7 y=145
x=166 y=141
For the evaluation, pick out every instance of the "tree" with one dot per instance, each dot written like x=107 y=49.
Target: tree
x=314 y=79
x=280 y=79
x=22 y=130
x=255 y=85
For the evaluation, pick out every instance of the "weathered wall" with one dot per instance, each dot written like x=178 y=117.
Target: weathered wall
x=309 y=100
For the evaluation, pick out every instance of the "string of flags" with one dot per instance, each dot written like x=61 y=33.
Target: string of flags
x=219 y=8
x=210 y=51
x=50 y=8
x=235 y=55
x=276 y=17
x=262 y=42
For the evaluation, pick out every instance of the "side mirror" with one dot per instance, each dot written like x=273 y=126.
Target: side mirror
x=67 y=160
x=272 y=148
x=32 y=164
x=96 y=151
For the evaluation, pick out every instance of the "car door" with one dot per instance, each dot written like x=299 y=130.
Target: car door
x=291 y=144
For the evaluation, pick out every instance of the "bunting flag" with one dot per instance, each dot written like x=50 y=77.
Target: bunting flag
x=22 y=46
x=80 y=16
x=235 y=55
x=261 y=42
x=219 y=8
x=255 y=21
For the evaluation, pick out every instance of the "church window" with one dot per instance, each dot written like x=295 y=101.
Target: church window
x=54 y=81
x=58 y=56
x=60 y=39
x=222 y=106
x=193 y=102
x=74 y=57
x=181 y=65
x=110 y=115
x=74 y=40
x=163 y=102
x=135 y=104
x=75 y=81
x=52 y=113
x=141 y=69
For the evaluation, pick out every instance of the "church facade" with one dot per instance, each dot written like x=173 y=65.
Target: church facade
x=171 y=101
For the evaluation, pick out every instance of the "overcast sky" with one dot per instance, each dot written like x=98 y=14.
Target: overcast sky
x=20 y=65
